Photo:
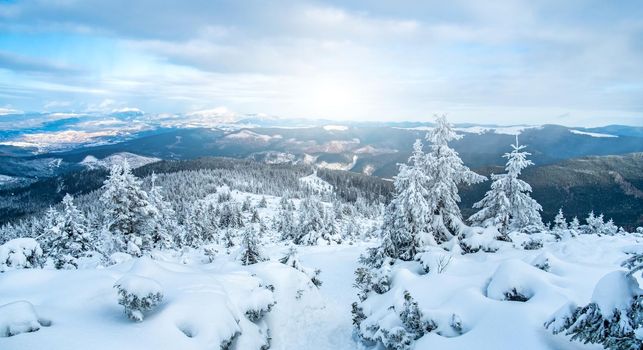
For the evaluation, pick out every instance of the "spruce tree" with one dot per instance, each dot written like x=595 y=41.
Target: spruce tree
x=250 y=253
x=73 y=240
x=446 y=171
x=127 y=210
x=164 y=227
x=406 y=225
x=508 y=204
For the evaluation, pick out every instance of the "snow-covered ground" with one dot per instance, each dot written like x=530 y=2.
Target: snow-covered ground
x=134 y=160
x=205 y=302
x=592 y=134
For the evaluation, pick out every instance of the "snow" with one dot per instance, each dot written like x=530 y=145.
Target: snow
x=19 y=317
x=615 y=291
x=315 y=184
x=206 y=303
x=473 y=287
x=134 y=160
x=503 y=130
x=250 y=135
x=592 y=134
x=335 y=127
x=339 y=166
x=139 y=286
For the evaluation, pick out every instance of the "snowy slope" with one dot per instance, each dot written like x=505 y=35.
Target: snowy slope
x=134 y=160
x=476 y=288
x=315 y=184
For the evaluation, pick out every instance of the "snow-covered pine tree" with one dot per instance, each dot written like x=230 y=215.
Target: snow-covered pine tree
x=247 y=204
x=594 y=223
x=310 y=222
x=559 y=221
x=263 y=203
x=164 y=227
x=73 y=240
x=284 y=223
x=255 y=216
x=510 y=196
x=127 y=210
x=574 y=225
x=406 y=220
x=50 y=230
x=250 y=253
x=446 y=171
x=495 y=208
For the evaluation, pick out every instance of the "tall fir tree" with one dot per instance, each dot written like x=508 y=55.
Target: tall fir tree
x=508 y=204
x=446 y=171
x=164 y=227
x=250 y=252
x=127 y=210
x=406 y=227
x=73 y=240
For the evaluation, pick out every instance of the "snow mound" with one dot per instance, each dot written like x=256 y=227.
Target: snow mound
x=134 y=160
x=20 y=253
x=139 y=286
x=19 y=317
x=516 y=280
x=615 y=291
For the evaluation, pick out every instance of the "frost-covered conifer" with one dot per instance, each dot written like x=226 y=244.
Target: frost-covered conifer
x=247 y=204
x=284 y=223
x=446 y=171
x=72 y=240
x=559 y=221
x=127 y=210
x=508 y=204
x=311 y=227
x=164 y=227
x=250 y=252
x=263 y=203
x=574 y=225
x=255 y=216
x=406 y=220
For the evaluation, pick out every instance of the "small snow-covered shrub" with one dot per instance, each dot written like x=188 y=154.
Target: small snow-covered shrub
x=138 y=294
x=413 y=319
x=19 y=317
x=532 y=244
x=515 y=280
x=292 y=259
x=613 y=318
x=374 y=274
x=20 y=253
x=486 y=239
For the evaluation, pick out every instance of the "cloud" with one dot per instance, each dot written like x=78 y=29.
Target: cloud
x=362 y=60
x=15 y=62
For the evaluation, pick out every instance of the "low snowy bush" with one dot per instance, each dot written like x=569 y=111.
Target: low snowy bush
x=138 y=294
x=20 y=253
x=532 y=244
x=19 y=317
x=613 y=318
x=482 y=239
x=515 y=280
x=292 y=259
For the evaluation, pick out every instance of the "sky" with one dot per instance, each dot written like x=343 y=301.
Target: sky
x=577 y=63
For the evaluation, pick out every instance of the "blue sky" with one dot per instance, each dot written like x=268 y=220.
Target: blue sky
x=566 y=62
